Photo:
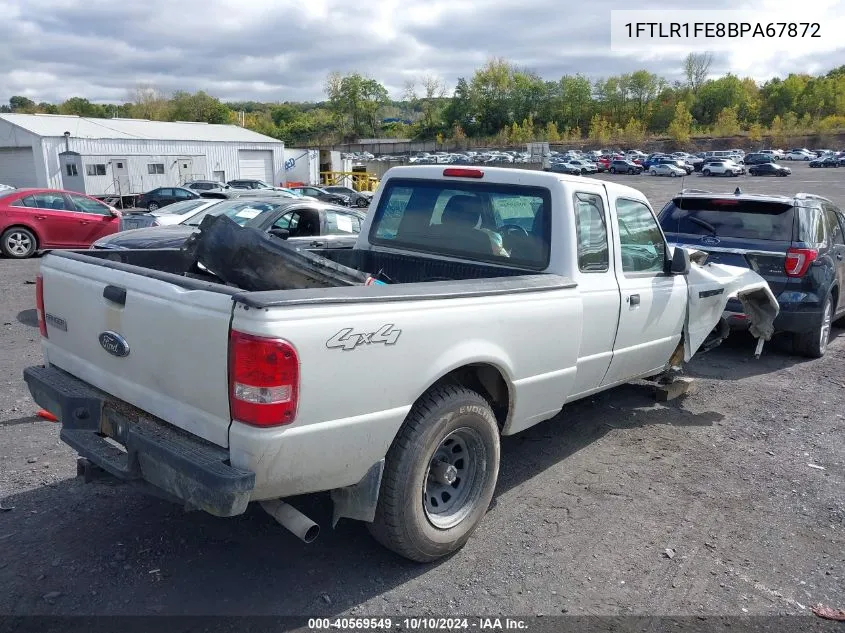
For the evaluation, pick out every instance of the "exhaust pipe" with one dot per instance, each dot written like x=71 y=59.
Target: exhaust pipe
x=292 y=519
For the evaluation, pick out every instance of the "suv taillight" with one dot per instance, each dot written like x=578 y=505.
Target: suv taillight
x=39 y=305
x=263 y=380
x=798 y=260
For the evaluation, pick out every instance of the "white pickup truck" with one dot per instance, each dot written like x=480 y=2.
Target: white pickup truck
x=511 y=293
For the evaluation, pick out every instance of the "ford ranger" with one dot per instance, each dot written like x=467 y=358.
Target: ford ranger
x=510 y=293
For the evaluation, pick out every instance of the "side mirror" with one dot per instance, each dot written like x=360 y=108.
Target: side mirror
x=114 y=212
x=282 y=234
x=680 y=262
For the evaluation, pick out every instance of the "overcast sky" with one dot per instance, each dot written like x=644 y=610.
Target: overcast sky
x=281 y=50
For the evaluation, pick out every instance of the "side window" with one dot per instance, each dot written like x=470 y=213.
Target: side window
x=53 y=201
x=309 y=224
x=287 y=221
x=87 y=205
x=342 y=224
x=642 y=245
x=394 y=211
x=163 y=192
x=181 y=193
x=26 y=201
x=834 y=230
x=95 y=169
x=811 y=229
x=593 y=254
x=71 y=169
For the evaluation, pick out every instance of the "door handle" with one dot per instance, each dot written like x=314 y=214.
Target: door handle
x=40 y=217
x=84 y=222
x=634 y=300
x=317 y=244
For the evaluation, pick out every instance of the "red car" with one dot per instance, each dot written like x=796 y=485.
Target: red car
x=38 y=219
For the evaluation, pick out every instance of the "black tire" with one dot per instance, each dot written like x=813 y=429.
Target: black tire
x=153 y=206
x=18 y=243
x=363 y=202
x=813 y=344
x=706 y=172
x=406 y=519
x=612 y=170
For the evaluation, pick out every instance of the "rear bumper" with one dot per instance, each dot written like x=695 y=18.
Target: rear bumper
x=797 y=318
x=182 y=466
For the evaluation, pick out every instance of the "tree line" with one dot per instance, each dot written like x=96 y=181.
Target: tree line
x=505 y=104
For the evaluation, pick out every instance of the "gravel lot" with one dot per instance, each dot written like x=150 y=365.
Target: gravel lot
x=703 y=506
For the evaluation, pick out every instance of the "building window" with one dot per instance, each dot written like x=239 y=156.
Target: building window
x=71 y=169
x=95 y=170
x=155 y=168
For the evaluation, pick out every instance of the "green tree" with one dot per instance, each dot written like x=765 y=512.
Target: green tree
x=356 y=101
x=490 y=94
x=777 y=132
x=22 y=104
x=552 y=134
x=727 y=122
x=429 y=99
x=82 y=107
x=633 y=133
x=696 y=69
x=200 y=107
x=600 y=130
x=680 y=129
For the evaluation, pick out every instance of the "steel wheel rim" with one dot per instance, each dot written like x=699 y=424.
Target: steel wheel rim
x=462 y=456
x=824 y=335
x=19 y=243
x=152 y=207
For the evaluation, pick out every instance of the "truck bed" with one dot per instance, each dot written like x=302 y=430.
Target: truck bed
x=409 y=276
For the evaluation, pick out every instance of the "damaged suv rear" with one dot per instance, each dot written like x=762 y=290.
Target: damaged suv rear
x=796 y=243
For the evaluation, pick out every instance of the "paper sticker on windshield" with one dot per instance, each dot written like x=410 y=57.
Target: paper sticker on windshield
x=344 y=223
x=248 y=213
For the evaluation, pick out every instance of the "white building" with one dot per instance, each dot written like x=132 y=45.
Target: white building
x=111 y=157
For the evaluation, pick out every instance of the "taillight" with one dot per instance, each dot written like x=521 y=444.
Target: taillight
x=39 y=304
x=263 y=380
x=798 y=260
x=460 y=172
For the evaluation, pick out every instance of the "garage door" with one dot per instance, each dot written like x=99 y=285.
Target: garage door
x=17 y=167
x=256 y=165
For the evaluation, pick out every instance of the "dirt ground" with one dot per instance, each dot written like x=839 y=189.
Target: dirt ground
x=726 y=502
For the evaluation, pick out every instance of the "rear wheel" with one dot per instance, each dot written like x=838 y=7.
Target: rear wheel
x=813 y=344
x=18 y=243
x=439 y=475
x=706 y=172
x=153 y=206
x=673 y=174
x=630 y=171
x=652 y=172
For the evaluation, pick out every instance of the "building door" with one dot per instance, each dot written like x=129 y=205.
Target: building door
x=219 y=176
x=186 y=170
x=256 y=165
x=120 y=175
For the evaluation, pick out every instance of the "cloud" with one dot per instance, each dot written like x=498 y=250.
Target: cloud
x=283 y=49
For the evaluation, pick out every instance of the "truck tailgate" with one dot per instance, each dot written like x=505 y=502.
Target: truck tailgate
x=177 y=340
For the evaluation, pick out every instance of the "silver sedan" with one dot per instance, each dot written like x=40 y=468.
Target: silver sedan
x=666 y=169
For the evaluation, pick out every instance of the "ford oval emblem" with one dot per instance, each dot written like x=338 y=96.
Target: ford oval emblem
x=709 y=239
x=114 y=343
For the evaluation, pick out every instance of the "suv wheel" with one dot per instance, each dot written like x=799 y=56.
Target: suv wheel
x=706 y=172
x=813 y=344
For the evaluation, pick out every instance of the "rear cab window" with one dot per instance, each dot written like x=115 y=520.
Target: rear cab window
x=487 y=222
x=729 y=218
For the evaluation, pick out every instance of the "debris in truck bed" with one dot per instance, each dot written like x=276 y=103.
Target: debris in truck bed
x=255 y=261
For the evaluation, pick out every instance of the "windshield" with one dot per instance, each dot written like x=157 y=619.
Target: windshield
x=748 y=219
x=504 y=224
x=181 y=208
x=241 y=211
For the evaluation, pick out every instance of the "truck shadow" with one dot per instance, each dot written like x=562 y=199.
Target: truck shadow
x=139 y=555
x=734 y=358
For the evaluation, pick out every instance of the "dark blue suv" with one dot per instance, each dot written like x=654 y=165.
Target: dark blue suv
x=796 y=243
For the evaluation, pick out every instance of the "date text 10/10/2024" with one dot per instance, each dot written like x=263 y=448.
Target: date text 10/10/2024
x=420 y=624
